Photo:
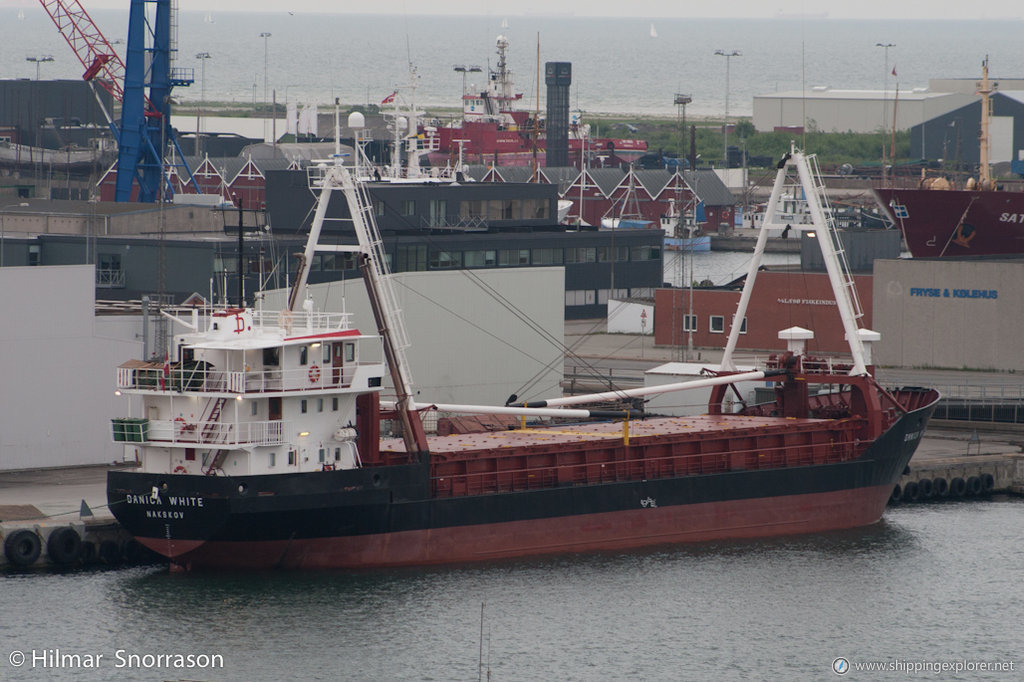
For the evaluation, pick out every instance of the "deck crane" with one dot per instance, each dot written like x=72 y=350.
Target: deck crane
x=144 y=135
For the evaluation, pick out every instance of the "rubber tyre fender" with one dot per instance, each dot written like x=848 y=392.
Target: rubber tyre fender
x=132 y=551
x=940 y=487
x=988 y=483
x=88 y=552
x=973 y=485
x=897 y=494
x=22 y=547
x=64 y=546
x=911 y=492
x=925 y=488
x=109 y=553
x=957 y=487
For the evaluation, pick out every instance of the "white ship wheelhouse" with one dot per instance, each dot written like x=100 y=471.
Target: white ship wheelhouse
x=255 y=393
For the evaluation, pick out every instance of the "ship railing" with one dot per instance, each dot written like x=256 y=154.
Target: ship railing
x=199 y=432
x=294 y=322
x=312 y=377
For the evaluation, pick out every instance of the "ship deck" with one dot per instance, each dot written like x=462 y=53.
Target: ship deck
x=701 y=426
x=583 y=454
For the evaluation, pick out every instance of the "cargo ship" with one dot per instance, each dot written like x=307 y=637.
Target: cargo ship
x=260 y=442
x=939 y=221
x=494 y=131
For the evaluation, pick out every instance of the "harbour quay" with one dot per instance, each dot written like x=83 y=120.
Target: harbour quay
x=58 y=518
x=963 y=461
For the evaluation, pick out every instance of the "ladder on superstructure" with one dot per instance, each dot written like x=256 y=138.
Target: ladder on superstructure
x=837 y=243
x=371 y=240
x=843 y=286
x=378 y=279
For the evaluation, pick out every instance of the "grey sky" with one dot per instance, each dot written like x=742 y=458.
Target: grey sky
x=862 y=9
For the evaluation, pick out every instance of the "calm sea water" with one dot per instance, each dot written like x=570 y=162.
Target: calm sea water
x=931 y=582
x=617 y=66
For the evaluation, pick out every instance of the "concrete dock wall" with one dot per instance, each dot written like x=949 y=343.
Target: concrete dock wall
x=960 y=477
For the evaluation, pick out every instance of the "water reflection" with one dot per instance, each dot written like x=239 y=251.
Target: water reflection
x=725 y=610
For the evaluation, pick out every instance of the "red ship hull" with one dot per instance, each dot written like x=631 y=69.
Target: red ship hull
x=734 y=519
x=487 y=143
x=957 y=223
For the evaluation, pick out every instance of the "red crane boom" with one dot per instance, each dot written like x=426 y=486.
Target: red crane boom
x=98 y=58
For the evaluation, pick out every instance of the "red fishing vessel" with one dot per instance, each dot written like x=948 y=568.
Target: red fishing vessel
x=493 y=130
x=234 y=472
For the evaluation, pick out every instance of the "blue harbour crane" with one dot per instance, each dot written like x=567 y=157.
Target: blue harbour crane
x=142 y=83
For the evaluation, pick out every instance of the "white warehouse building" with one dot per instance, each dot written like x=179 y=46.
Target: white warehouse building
x=858 y=111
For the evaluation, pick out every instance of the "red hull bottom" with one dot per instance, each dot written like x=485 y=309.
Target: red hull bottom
x=735 y=519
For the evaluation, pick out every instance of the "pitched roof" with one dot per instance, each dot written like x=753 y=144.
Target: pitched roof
x=563 y=176
x=607 y=179
x=475 y=171
x=653 y=180
x=709 y=188
x=514 y=173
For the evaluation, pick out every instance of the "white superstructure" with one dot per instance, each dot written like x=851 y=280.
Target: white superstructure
x=252 y=392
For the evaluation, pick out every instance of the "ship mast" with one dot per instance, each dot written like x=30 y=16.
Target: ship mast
x=984 y=172
x=383 y=301
x=832 y=253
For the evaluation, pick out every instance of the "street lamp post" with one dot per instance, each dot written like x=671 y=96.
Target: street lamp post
x=266 y=47
x=725 y=128
x=202 y=57
x=39 y=60
x=885 y=98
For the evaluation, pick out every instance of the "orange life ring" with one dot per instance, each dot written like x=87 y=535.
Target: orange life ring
x=180 y=470
x=314 y=374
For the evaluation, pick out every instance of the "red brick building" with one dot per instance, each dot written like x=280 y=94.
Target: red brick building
x=779 y=301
